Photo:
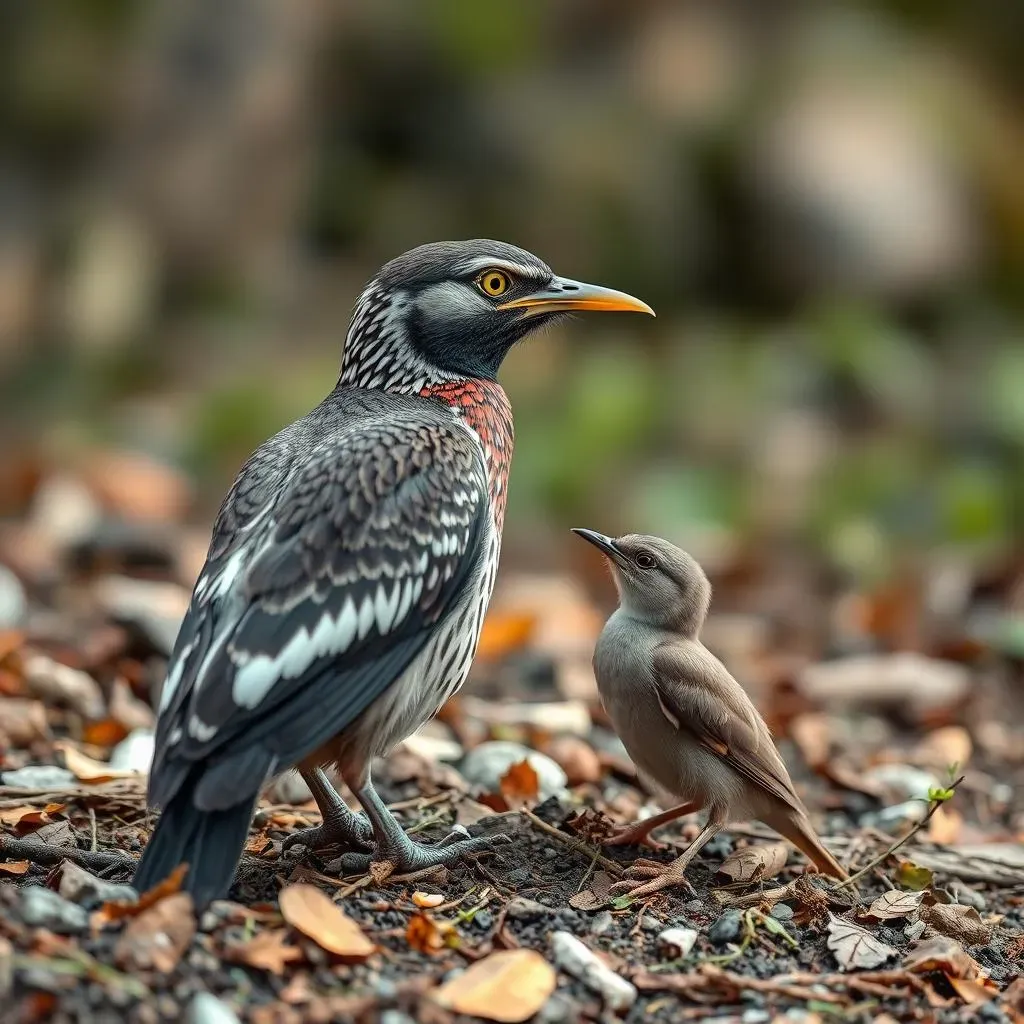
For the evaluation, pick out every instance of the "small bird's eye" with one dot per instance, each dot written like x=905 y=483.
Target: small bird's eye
x=645 y=561
x=493 y=283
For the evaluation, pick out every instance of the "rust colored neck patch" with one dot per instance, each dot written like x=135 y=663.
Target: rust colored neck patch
x=485 y=407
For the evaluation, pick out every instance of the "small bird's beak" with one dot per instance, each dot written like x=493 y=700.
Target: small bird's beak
x=600 y=541
x=563 y=294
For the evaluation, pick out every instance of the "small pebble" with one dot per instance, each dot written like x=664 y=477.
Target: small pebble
x=13 y=603
x=134 y=752
x=782 y=912
x=967 y=896
x=81 y=886
x=693 y=905
x=573 y=957
x=42 y=908
x=720 y=846
x=559 y=1009
x=650 y=924
x=677 y=942
x=755 y=1016
x=522 y=909
x=601 y=923
x=208 y=1009
x=395 y=1017
x=726 y=928
x=40 y=776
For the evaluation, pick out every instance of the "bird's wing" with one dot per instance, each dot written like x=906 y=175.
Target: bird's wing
x=697 y=694
x=320 y=587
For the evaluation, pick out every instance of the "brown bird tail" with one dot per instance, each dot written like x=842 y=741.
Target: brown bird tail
x=797 y=829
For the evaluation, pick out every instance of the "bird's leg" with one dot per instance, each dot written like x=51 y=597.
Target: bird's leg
x=393 y=845
x=638 y=834
x=671 y=874
x=338 y=824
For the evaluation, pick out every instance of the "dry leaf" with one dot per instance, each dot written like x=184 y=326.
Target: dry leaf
x=974 y=993
x=911 y=876
x=130 y=712
x=115 y=910
x=504 y=633
x=755 y=863
x=576 y=758
x=258 y=844
x=23 y=721
x=855 y=948
x=520 y=785
x=426 y=935
x=895 y=903
x=945 y=826
x=106 y=733
x=944 y=747
x=958 y=922
x=27 y=819
x=158 y=937
x=508 y=986
x=268 y=951
x=812 y=733
x=427 y=899
x=311 y=912
x=14 y=867
x=88 y=770
x=941 y=953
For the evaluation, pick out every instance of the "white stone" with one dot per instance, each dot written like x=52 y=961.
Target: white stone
x=573 y=957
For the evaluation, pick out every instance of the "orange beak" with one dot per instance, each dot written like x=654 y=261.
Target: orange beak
x=563 y=294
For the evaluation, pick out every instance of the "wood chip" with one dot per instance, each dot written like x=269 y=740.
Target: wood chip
x=508 y=986
x=310 y=911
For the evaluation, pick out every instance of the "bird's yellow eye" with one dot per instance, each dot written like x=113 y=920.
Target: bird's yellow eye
x=493 y=283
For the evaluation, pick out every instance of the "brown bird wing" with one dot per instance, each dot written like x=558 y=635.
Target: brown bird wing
x=697 y=694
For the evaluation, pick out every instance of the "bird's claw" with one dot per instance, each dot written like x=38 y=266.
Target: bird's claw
x=414 y=857
x=353 y=830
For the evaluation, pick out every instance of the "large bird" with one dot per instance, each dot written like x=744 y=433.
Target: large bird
x=350 y=566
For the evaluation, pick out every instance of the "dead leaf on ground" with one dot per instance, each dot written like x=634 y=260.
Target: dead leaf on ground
x=55 y=683
x=520 y=785
x=508 y=986
x=426 y=935
x=136 y=486
x=158 y=937
x=812 y=733
x=23 y=721
x=14 y=867
x=106 y=733
x=944 y=747
x=115 y=910
x=854 y=947
x=596 y=896
x=913 y=876
x=894 y=904
x=504 y=633
x=127 y=709
x=258 y=844
x=88 y=770
x=310 y=911
x=27 y=819
x=972 y=992
x=755 y=863
x=267 y=951
x=959 y=922
x=946 y=825
x=941 y=953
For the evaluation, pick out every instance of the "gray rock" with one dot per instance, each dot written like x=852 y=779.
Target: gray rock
x=903 y=780
x=134 y=752
x=208 y=1009
x=485 y=765
x=42 y=908
x=522 y=909
x=726 y=928
x=40 y=776
x=154 y=608
x=395 y=1017
x=559 y=1009
x=13 y=603
x=782 y=912
x=81 y=886
x=573 y=957
x=602 y=922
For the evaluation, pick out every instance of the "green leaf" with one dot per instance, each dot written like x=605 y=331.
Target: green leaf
x=913 y=877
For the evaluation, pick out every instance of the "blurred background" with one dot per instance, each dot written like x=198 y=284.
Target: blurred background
x=824 y=202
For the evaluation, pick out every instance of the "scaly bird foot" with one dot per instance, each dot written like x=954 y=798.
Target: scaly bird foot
x=659 y=877
x=341 y=829
x=407 y=856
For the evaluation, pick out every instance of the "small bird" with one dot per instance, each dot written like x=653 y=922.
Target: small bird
x=687 y=724
x=350 y=566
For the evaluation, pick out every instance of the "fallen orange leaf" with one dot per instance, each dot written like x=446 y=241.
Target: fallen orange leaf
x=311 y=912
x=257 y=844
x=504 y=633
x=158 y=937
x=509 y=986
x=945 y=826
x=426 y=935
x=268 y=951
x=14 y=867
x=973 y=992
x=107 y=733
x=520 y=785
x=115 y=910
x=86 y=769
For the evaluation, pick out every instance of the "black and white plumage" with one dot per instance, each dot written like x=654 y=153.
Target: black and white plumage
x=351 y=564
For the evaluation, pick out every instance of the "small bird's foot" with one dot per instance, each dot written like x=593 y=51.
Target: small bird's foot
x=634 y=835
x=339 y=828
x=659 y=877
x=405 y=856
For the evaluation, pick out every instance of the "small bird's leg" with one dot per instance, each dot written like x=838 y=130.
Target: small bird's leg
x=338 y=824
x=638 y=834
x=392 y=844
x=674 y=873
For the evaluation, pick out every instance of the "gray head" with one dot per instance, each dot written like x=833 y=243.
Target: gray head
x=454 y=309
x=658 y=583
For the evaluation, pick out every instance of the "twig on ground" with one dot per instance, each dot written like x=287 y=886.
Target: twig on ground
x=872 y=864
x=367 y=880
x=575 y=844
x=46 y=855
